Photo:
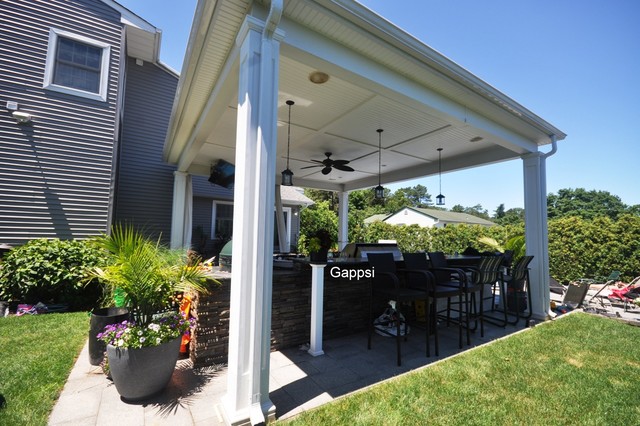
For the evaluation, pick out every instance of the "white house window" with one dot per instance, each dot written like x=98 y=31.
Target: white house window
x=77 y=65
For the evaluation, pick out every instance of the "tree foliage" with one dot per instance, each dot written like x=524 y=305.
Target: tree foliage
x=591 y=233
x=476 y=210
x=585 y=204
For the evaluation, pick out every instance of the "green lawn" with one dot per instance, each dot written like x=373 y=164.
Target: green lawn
x=578 y=370
x=36 y=356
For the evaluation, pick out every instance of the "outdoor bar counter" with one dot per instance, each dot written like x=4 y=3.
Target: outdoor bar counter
x=344 y=308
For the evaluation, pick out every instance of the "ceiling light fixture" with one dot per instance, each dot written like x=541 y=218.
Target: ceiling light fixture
x=287 y=175
x=318 y=77
x=440 y=197
x=379 y=190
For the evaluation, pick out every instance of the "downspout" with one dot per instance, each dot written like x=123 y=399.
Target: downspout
x=273 y=19
x=554 y=147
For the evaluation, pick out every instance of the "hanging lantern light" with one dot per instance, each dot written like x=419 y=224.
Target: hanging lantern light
x=440 y=197
x=379 y=190
x=287 y=175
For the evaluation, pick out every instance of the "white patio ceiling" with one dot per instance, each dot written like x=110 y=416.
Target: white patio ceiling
x=379 y=77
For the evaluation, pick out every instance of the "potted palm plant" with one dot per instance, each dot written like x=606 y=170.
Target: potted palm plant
x=142 y=351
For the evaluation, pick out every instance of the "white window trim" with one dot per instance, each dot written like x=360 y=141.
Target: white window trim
x=51 y=60
x=214 y=212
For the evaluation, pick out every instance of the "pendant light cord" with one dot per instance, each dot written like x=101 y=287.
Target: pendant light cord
x=289 y=131
x=379 y=154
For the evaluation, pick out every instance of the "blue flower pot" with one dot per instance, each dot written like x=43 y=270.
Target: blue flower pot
x=143 y=372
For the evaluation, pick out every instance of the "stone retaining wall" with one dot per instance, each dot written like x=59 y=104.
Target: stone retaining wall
x=346 y=308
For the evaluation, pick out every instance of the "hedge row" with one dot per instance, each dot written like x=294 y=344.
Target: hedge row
x=578 y=248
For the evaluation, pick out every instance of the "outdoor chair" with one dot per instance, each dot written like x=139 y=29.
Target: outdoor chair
x=487 y=275
x=610 y=280
x=456 y=278
x=418 y=262
x=386 y=284
x=518 y=292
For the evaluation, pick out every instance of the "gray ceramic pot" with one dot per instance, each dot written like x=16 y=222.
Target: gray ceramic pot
x=100 y=318
x=141 y=373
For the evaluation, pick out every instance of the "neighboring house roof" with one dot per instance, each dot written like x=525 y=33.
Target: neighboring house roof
x=294 y=195
x=376 y=218
x=453 y=217
x=439 y=215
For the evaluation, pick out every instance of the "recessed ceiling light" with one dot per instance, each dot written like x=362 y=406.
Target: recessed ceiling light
x=318 y=77
x=476 y=139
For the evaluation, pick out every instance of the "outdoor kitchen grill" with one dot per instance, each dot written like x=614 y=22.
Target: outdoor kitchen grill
x=280 y=260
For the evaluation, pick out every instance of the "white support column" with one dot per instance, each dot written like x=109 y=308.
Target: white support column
x=283 y=230
x=181 y=210
x=343 y=219
x=247 y=398
x=317 y=308
x=536 y=232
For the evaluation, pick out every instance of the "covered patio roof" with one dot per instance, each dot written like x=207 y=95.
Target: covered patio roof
x=245 y=59
x=379 y=77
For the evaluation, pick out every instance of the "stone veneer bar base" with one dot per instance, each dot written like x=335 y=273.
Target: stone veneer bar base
x=346 y=311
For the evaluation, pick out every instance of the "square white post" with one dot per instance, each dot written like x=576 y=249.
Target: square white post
x=317 y=308
x=536 y=233
x=247 y=398
x=181 y=211
x=343 y=219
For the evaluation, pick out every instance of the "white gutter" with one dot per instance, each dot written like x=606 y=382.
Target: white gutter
x=554 y=147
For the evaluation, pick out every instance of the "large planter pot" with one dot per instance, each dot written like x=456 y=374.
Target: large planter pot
x=318 y=256
x=100 y=318
x=141 y=373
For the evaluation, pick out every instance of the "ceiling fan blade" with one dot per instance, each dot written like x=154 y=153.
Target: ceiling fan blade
x=315 y=165
x=340 y=162
x=326 y=170
x=318 y=161
x=343 y=168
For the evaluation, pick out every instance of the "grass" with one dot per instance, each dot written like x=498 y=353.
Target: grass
x=580 y=369
x=36 y=355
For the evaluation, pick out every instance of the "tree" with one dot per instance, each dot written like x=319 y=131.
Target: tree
x=499 y=213
x=585 y=204
x=476 y=210
x=512 y=216
x=318 y=217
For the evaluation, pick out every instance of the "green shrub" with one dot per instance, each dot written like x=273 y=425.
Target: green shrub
x=51 y=271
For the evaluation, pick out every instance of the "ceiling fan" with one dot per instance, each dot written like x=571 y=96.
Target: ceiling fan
x=329 y=164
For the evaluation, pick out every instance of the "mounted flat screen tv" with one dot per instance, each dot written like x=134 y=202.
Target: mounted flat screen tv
x=222 y=173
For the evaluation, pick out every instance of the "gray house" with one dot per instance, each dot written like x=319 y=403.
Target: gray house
x=76 y=126
x=84 y=108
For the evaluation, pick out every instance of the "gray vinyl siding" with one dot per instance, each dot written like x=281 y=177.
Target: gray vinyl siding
x=144 y=193
x=203 y=188
x=56 y=174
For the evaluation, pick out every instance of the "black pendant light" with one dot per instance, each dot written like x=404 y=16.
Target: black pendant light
x=287 y=175
x=379 y=190
x=440 y=197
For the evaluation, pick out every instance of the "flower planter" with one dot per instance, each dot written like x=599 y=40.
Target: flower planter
x=143 y=372
x=318 y=256
x=99 y=319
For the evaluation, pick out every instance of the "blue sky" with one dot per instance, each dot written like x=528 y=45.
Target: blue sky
x=574 y=63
